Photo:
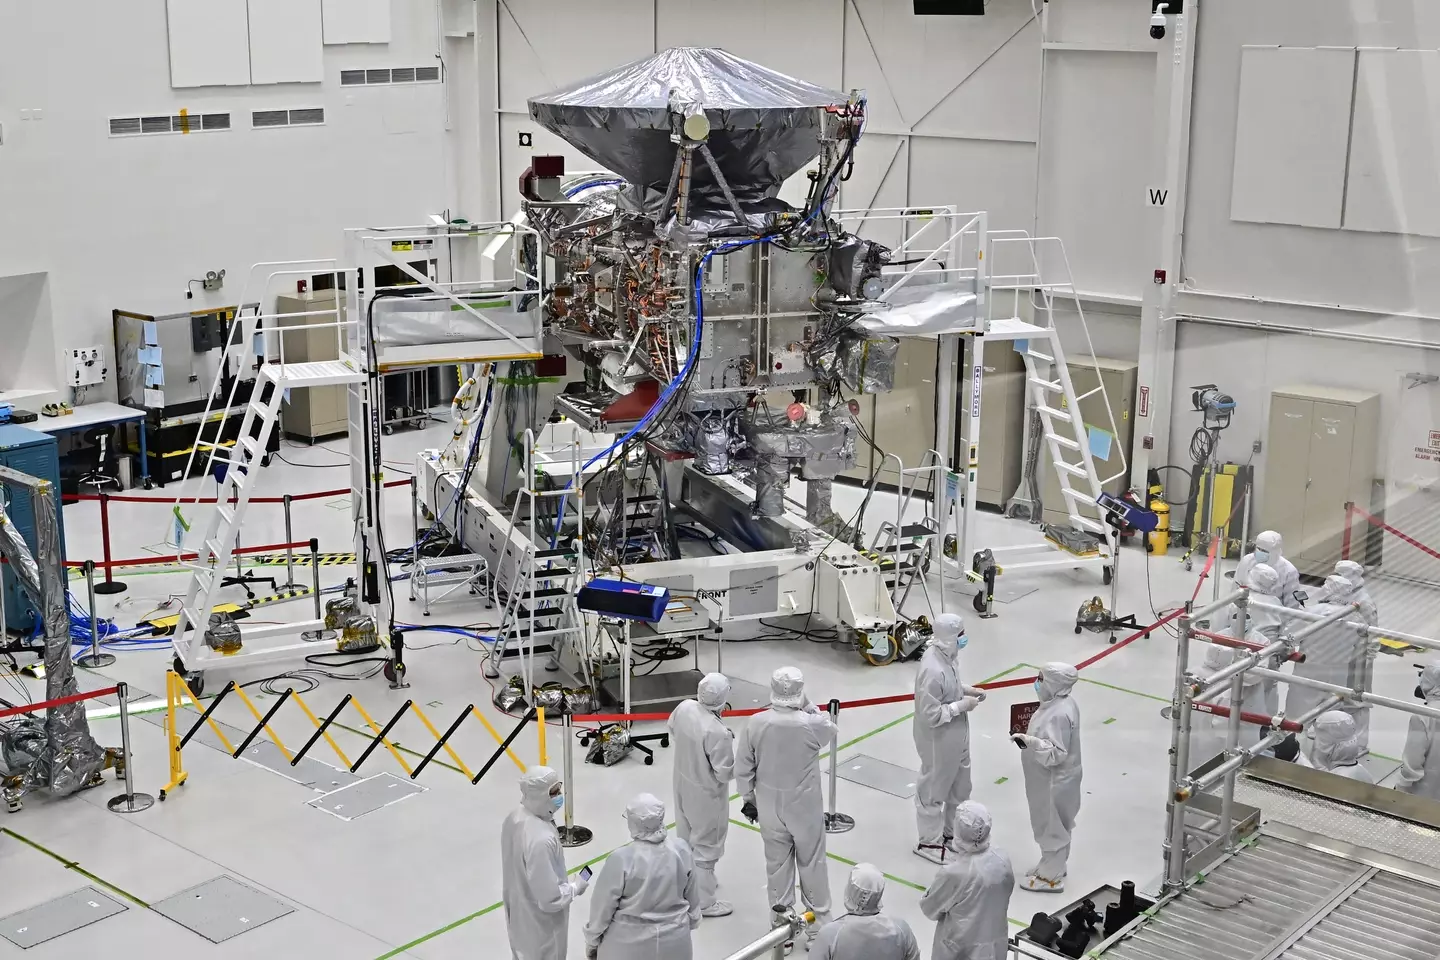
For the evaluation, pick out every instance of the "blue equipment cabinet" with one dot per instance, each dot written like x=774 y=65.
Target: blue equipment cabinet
x=37 y=454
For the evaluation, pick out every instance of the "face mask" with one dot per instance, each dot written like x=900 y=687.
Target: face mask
x=1262 y=556
x=558 y=801
x=1419 y=692
x=961 y=642
x=1037 y=686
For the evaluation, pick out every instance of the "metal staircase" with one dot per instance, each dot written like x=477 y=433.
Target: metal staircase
x=236 y=463
x=1038 y=269
x=539 y=612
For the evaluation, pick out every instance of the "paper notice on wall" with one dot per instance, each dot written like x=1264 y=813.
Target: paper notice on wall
x=152 y=335
x=150 y=355
x=154 y=376
x=1100 y=442
x=154 y=399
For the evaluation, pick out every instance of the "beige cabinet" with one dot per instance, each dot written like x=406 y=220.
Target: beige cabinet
x=1321 y=453
x=1002 y=419
x=311 y=413
x=1119 y=377
x=905 y=417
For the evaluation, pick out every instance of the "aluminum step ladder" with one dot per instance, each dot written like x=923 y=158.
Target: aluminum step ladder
x=241 y=461
x=540 y=613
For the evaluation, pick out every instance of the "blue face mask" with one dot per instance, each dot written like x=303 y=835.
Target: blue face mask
x=558 y=801
x=961 y=642
x=1262 y=556
x=1037 y=686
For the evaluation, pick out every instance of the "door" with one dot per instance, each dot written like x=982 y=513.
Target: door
x=1287 y=469
x=1332 y=445
x=905 y=417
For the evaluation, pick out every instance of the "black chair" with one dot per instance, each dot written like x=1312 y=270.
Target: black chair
x=101 y=441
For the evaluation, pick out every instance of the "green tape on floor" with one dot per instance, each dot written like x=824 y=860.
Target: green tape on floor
x=1002 y=780
x=445 y=929
x=74 y=866
x=1110 y=686
x=1110 y=721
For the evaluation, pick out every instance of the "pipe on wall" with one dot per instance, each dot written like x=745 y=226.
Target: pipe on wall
x=1263 y=326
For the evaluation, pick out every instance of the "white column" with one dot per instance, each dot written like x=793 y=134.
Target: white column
x=1164 y=198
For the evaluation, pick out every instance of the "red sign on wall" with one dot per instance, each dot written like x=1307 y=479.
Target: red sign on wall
x=1144 y=401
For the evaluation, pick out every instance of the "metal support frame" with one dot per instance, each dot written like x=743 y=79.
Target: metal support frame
x=1190 y=695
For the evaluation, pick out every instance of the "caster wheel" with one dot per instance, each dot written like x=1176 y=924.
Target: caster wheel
x=1189 y=566
x=162 y=796
x=978 y=603
x=425 y=613
x=389 y=431
x=584 y=741
x=664 y=741
x=147 y=483
x=1107 y=576
x=1077 y=631
x=389 y=672
x=649 y=761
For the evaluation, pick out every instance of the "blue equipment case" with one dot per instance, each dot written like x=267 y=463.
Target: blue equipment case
x=37 y=454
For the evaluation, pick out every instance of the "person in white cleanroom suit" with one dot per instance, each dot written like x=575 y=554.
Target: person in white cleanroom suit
x=863 y=933
x=704 y=766
x=1355 y=573
x=537 y=892
x=1209 y=738
x=1337 y=746
x=1265 y=621
x=1420 y=761
x=1333 y=654
x=1050 y=759
x=777 y=772
x=1268 y=551
x=647 y=896
x=970 y=896
x=942 y=737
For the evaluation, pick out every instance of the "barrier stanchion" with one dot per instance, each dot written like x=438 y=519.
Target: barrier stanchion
x=836 y=822
x=94 y=659
x=129 y=801
x=570 y=834
x=289 y=549
x=111 y=585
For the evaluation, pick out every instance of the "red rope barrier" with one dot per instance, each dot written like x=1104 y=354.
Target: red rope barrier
x=59 y=701
x=318 y=494
x=185 y=558
x=1376 y=522
x=1258 y=719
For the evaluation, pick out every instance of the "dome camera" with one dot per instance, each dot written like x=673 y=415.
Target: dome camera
x=1157 y=22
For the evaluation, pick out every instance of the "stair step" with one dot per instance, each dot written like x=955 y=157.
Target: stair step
x=545 y=593
x=1085 y=523
x=552 y=554
x=510 y=653
x=316 y=373
x=250 y=445
x=520 y=633
x=522 y=612
x=554 y=573
x=1078 y=497
x=1071 y=469
x=1046 y=384
x=1065 y=442
x=1034 y=355
x=911 y=530
x=1052 y=412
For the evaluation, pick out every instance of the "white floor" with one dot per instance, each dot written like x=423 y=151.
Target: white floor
x=420 y=878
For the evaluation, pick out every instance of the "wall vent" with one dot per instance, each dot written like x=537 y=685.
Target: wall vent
x=189 y=123
x=299 y=117
x=307 y=115
x=383 y=75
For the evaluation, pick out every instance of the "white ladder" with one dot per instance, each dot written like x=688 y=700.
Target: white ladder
x=1065 y=432
x=241 y=462
x=540 y=612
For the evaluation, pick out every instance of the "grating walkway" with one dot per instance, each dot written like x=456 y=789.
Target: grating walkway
x=1277 y=900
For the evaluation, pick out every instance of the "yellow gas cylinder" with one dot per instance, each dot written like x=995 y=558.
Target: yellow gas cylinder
x=1160 y=536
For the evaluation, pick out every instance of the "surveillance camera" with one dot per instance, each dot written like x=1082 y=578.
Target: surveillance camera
x=1157 y=23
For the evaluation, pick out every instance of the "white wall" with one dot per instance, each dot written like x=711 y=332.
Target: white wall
x=953 y=100
x=1380 y=291
x=124 y=222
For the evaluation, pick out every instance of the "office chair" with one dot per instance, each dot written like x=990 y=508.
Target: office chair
x=104 y=473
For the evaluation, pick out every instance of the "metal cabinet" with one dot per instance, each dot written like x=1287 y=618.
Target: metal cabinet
x=1119 y=377
x=905 y=417
x=1002 y=420
x=312 y=412
x=35 y=453
x=1321 y=453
